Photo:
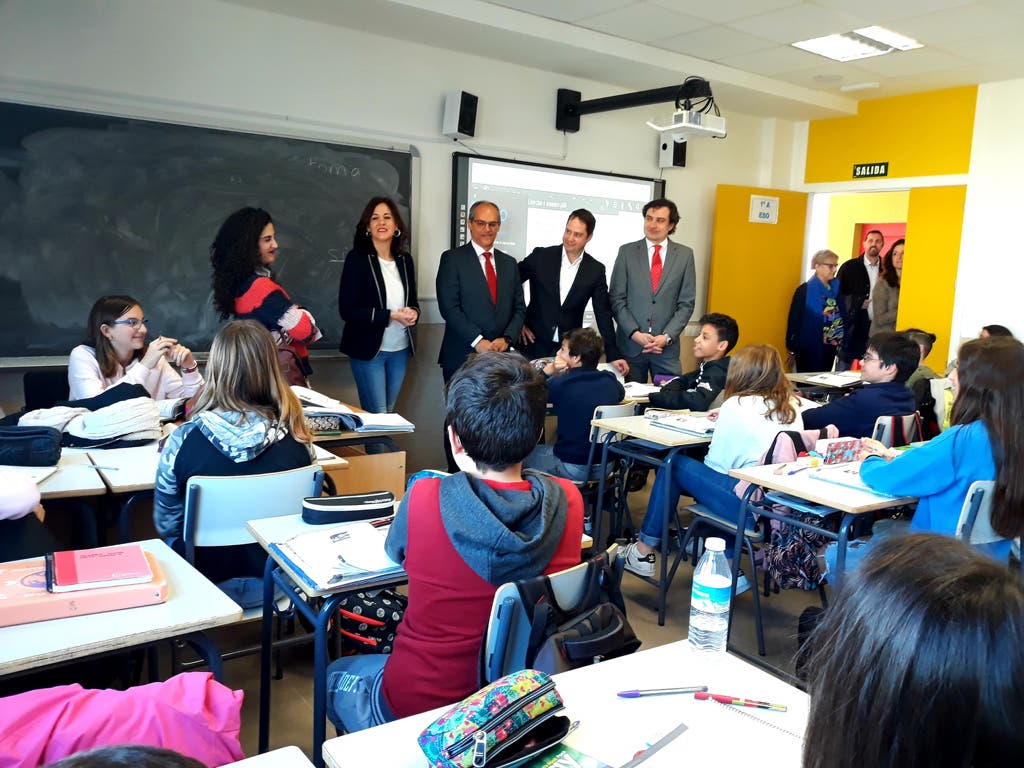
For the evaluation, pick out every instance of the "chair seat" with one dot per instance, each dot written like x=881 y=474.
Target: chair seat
x=700 y=510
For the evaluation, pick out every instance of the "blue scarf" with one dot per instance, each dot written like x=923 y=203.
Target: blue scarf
x=823 y=302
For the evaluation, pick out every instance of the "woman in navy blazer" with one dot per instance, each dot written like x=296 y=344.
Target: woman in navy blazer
x=377 y=300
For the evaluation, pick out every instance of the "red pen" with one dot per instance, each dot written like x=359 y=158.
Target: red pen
x=739 y=702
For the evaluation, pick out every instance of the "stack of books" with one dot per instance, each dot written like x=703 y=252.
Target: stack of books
x=78 y=582
x=321 y=410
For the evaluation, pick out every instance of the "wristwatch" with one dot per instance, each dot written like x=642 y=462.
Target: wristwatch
x=668 y=339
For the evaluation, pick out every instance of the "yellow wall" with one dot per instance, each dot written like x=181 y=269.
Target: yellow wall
x=756 y=267
x=846 y=211
x=922 y=134
x=930 y=262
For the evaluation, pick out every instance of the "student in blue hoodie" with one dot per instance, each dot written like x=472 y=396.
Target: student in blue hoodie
x=890 y=360
x=247 y=421
x=575 y=389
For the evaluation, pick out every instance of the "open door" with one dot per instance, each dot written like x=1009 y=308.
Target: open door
x=756 y=256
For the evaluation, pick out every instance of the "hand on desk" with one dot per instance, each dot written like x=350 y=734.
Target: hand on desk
x=871 y=447
x=713 y=414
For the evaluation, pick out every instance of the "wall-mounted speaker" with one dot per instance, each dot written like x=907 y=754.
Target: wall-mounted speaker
x=459 y=115
x=671 y=154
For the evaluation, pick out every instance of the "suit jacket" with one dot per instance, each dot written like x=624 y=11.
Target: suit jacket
x=546 y=313
x=363 y=302
x=465 y=303
x=636 y=308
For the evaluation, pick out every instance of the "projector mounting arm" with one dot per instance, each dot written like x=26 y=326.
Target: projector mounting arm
x=570 y=108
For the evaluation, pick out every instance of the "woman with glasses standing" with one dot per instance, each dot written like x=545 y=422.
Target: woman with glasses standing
x=377 y=300
x=244 y=287
x=115 y=350
x=815 y=329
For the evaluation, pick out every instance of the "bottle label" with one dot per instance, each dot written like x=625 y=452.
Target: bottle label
x=718 y=597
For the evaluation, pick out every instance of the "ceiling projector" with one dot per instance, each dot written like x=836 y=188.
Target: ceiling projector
x=686 y=124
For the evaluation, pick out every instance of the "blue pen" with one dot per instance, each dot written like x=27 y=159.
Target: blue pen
x=660 y=692
x=798 y=469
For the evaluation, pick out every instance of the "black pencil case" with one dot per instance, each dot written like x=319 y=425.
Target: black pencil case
x=347 y=508
x=30 y=446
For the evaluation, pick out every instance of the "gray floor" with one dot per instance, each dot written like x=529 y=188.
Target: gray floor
x=292 y=697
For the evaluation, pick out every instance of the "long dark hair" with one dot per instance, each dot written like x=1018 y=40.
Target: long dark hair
x=757 y=371
x=234 y=255
x=991 y=376
x=105 y=311
x=888 y=270
x=920 y=662
x=362 y=240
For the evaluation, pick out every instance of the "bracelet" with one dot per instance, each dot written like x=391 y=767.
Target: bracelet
x=193 y=369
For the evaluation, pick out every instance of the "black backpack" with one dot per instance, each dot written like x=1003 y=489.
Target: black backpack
x=594 y=629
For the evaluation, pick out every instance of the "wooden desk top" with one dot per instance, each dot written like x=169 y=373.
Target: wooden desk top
x=193 y=604
x=643 y=428
x=805 y=486
x=75 y=476
x=129 y=470
x=612 y=729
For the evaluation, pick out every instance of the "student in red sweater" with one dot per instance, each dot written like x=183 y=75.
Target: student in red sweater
x=460 y=537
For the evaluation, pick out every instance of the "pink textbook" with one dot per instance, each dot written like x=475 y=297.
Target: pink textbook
x=24 y=597
x=75 y=569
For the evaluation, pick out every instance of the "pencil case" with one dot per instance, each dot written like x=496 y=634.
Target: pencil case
x=347 y=508
x=30 y=446
x=511 y=720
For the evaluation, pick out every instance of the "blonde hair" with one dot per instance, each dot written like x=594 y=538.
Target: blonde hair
x=757 y=371
x=242 y=374
x=824 y=252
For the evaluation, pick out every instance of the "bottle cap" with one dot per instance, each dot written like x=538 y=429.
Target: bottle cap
x=714 y=544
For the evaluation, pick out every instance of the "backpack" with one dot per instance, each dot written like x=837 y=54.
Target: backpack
x=790 y=554
x=594 y=629
x=925 y=402
x=369 y=620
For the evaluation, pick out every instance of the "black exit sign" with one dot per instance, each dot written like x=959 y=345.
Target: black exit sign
x=870 y=170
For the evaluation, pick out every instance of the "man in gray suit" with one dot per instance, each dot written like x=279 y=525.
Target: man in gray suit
x=652 y=294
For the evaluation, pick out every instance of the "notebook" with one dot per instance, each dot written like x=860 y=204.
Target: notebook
x=25 y=599
x=78 y=569
x=343 y=555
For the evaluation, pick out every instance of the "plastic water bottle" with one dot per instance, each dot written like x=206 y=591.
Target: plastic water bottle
x=709 y=601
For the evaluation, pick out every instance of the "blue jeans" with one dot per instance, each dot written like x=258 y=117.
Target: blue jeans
x=379 y=380
x=355 y=700
x=712 y=489
x=857 y=549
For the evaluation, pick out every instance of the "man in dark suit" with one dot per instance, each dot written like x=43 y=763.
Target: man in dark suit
x=856 y=282
x=562 y=280
x=479 y=295
x=652 y=294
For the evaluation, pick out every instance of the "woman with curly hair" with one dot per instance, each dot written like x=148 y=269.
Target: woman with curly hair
x=244 y=287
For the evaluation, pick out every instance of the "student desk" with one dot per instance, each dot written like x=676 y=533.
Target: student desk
x=75 y=477
x=271 y=530
x=849 y=501
x=645 y=436
x=131 y=473
x=193 y=604
x=834 y=384
x=612 y=729
x=285 y=757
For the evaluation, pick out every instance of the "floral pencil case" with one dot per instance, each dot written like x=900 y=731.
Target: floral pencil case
x=509 y=721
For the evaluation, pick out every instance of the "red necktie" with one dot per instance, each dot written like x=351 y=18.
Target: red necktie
x=656 y=268
x=492 y=277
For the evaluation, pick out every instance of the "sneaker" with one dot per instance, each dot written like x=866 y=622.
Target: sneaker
x=641 y=565
x=742 y=583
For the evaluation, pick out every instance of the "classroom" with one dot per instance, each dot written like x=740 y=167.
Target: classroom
x=375 y=72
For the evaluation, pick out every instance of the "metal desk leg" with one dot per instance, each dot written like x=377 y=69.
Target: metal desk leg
x=737 y=554
x=595 y=523
x=663 y=584
x=841 y=543
x=265 y=654
x=123 y=517
x=323 y=620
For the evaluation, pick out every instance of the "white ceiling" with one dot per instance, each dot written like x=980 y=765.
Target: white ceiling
x=740 y=46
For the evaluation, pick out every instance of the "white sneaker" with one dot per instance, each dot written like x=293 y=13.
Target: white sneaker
x=641 y=565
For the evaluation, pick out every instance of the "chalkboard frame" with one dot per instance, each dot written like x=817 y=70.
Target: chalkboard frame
x=47 y=284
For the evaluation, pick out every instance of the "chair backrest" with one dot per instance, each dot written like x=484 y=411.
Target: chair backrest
x=217 y=508
x=975 y=523
x=597 y=435
x=507 y=639
x=44 y=389
x=897 y=431
x=940 y=388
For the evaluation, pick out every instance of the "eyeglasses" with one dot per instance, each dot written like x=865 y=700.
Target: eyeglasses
x=132 y=322
x=830 y=266
x=870 y=358
x=486 y=224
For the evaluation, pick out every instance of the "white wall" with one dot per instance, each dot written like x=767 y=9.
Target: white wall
x=214 y=63
x=991 y=271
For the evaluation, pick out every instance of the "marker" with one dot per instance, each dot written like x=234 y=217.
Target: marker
x=739 y=702
x=660 y=692
x=798 y=469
